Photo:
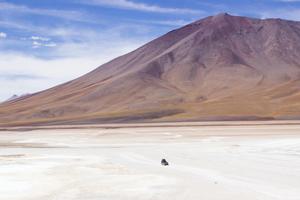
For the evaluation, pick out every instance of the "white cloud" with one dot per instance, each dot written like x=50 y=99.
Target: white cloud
x=130 y=5
x=12 y=24
x=50 y=44
x=165 y=22
x=3 y=35
x=40 y=38
x=16 y=9
x=290 y=14
x=38 y=42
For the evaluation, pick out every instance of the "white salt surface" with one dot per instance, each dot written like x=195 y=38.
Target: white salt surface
x=209 y=163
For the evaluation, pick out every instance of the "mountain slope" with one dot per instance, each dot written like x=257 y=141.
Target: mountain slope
x=222 y=67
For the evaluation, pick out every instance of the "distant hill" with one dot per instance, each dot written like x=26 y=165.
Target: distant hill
x=14 y=97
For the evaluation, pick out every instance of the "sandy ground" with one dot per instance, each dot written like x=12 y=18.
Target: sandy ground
x=209 y=163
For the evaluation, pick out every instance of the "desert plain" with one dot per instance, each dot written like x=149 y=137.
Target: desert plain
x=209 y=161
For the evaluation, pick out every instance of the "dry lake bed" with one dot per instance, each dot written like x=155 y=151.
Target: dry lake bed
x=208 y=162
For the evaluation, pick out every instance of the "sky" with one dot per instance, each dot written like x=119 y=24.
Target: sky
x=47 y=42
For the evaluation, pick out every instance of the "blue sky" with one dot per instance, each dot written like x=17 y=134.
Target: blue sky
x=46 y=42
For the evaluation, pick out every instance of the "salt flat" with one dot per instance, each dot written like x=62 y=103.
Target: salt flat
x=208 y=162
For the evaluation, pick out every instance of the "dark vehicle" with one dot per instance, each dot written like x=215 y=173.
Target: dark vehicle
x=164 y=162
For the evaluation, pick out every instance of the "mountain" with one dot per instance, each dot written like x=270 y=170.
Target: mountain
x=222 y=67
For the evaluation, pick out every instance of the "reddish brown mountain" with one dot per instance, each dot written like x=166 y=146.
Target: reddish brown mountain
x=220 y=67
